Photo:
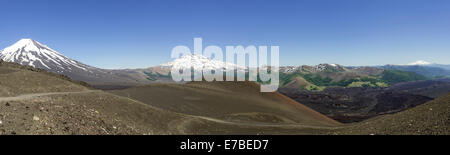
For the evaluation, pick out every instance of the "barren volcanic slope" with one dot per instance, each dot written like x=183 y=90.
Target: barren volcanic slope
x=229 y=101
x=33 y=101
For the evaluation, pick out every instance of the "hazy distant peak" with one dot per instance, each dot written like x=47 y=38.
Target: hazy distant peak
x=420 y=62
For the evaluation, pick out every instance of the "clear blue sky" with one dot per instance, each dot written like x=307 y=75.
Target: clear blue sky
x=132 y=33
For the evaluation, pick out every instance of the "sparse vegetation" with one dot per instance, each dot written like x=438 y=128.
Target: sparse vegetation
x=396 y=76
x=317 y=82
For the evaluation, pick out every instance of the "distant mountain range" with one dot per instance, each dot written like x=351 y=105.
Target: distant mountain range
x=430 y=70
x=319 y=77
x=32 y=53
x=428 y=64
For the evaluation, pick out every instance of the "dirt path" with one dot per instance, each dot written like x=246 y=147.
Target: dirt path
x=30 y=96
x=260 y=124
x=187 y=120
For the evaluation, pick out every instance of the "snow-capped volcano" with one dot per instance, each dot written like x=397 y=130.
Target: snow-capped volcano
x=33 y=53
x=200 y=61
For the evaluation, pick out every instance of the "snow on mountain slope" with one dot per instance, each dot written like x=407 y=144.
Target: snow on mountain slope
x=200 y=61
x=33 y=53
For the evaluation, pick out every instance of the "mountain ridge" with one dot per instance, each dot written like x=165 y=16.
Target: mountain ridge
x=32 y=53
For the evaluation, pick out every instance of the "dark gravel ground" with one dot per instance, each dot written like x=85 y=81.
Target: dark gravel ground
x=431 y=118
